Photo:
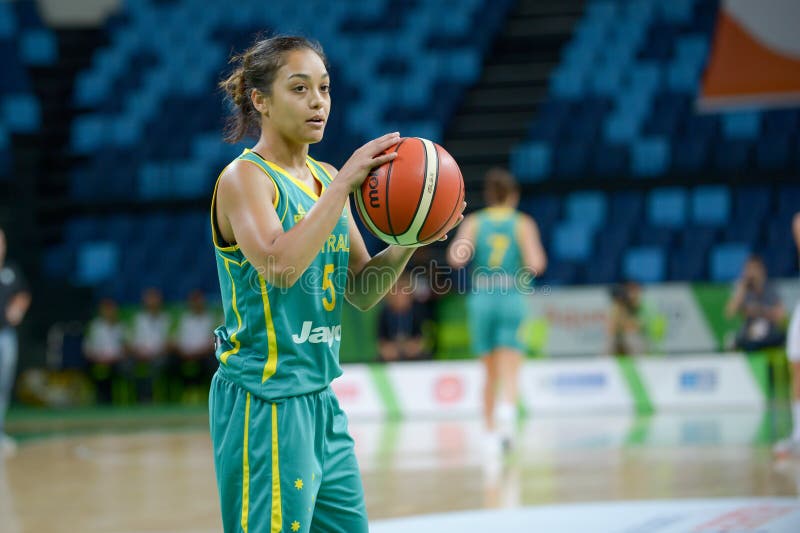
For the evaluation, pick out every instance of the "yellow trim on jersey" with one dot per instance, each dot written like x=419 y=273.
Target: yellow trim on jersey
x=246 y=466
x=299 y=184
x=223 y=358
x=320 y=165
x=213 y=212
x=276 y=520
x=237 y=263
x=499 y=212
x=272 y=344
x=316 y=177
x=277 y=190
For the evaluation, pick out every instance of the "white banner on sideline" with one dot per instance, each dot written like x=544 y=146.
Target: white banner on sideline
x=437 y=388
x=579 y=385
x=358 y=396
x=700 y=382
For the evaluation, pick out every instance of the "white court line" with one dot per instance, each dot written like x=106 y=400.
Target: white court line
x=762 y=515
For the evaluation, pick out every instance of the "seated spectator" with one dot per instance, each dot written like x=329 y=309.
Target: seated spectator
x=104 y=348
x=149 y=344
x=194 y=342
x=626 y=328
x=400 y=325
x=756 y=300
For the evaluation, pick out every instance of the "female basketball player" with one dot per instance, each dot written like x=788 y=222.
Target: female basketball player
x=501 y=242
x=284 y=237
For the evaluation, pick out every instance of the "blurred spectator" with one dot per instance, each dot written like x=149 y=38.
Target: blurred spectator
x=626 y=328
x=104 y=347
x=758 y=303
x=194 y=342
x=14 y=302
x=400 y=324
x=149 y=344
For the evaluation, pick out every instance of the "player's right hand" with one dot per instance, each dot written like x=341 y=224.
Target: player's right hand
x=364 y=159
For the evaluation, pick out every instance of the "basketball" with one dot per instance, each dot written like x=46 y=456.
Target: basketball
x=412 y=200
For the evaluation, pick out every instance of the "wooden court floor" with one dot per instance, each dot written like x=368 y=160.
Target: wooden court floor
x=161 y=479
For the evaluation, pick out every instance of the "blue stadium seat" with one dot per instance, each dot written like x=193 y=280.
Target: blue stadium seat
x=531 y=162
x=650 y=157
x=711 y=205
x=89 y=133
x=741 y=125
x=727 y=261
x=8 y=21
x=572 y=241
x=620 y=128
x=588 y=207
x=567 y=84
x=676 y=11
x=693 y=47
x=683 y=77
x=21 y=113
x=39 y=48
x=96 y=261
x=667 y=207
x=644 y=264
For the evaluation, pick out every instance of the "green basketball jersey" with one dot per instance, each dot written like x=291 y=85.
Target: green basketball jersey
x=280 y=342
x=497 y=252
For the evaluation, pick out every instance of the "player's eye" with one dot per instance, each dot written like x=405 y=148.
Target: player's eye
x=325 y=88
x=299 y=88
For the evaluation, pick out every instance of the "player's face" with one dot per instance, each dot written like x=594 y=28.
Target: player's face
x=301 y=100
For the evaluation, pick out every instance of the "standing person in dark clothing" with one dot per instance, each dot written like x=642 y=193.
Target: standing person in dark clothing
x=14 y=302
x=400 y=325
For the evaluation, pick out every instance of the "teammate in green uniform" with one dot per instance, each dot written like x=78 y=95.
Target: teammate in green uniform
x=504 y=248
x=288 y=252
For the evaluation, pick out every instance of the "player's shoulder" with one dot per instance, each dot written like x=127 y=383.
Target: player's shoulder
x=241 y=172
x=525 y=218
x=244 y=179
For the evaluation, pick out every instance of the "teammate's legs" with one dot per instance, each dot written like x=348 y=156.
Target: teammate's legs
x=482 y=339
x=340 y=506
x=510 y=352
x=491 y=372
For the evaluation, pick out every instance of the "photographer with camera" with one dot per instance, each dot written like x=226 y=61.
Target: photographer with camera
x=756 y=300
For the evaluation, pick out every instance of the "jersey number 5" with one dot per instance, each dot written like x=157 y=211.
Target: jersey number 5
x=327 y=283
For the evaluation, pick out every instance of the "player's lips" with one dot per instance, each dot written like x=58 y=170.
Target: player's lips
x=317 y=121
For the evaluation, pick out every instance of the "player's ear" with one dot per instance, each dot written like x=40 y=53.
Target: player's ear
x=260 y=101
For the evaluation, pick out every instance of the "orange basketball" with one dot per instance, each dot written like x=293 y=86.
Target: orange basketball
x=414 y=198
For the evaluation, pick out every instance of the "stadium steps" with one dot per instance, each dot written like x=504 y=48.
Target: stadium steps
x=53 y=86
x=495 y=113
